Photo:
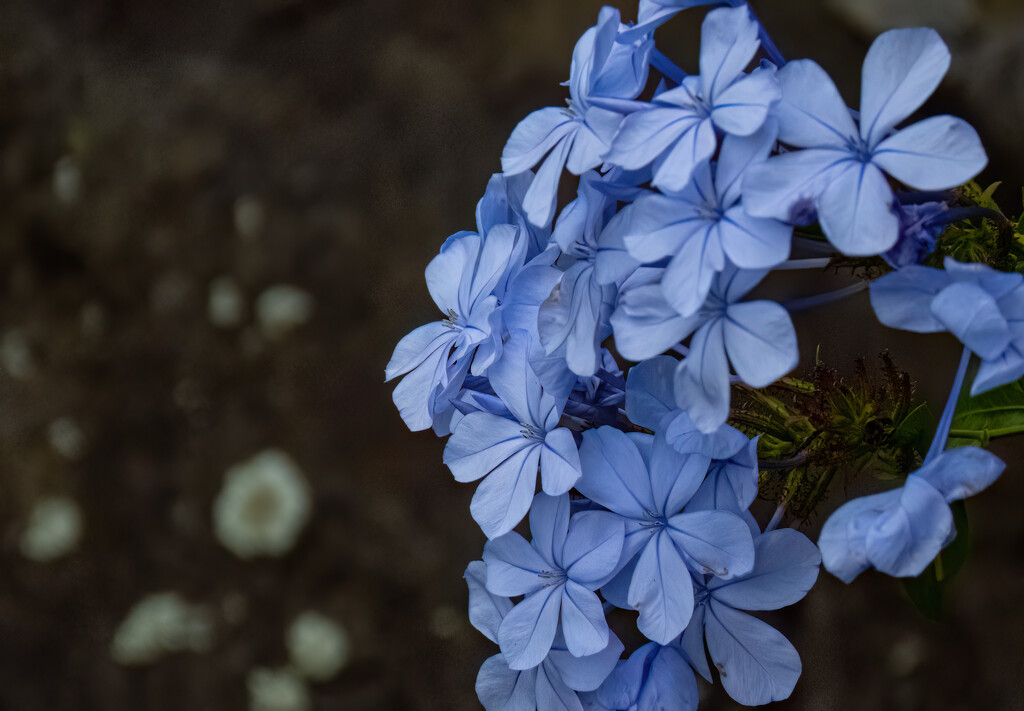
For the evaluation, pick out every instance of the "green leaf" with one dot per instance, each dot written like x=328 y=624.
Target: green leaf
x=915 y=429
x=995 y=413
x=928 y=590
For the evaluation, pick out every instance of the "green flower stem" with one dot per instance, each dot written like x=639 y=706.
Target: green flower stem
x=985 y=435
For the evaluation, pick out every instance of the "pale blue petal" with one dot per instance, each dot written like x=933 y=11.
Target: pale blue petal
x=483 y=442
x=502 y=689
x=416 y=395
x=1000 y=371
x=843 y=539
x=742 y=108
x=540 y=200
x=973 y=316
x=785 y=568
x=553 y=694
x=937 y=153
x=812 y=113
x=616 y=590
x=645 y=135
x=674 y=476
x=593 y=140
x=451 y=271
x=549 y=524
x=692 y=643
x=688 y=277
x=503 y=498
x=486 y=610
x=622 y=687
x=613 y=262
x=559 y=462
x=757 y=664
x=592 y=548
x=586 y=673
x=728 y=41
x=702 y=379
x=583 y=622
x=529 y=628
x=718 y=542
x=417 y=346
x=534 y=137
x=906 y=538
x=738 y=153
x=855 y=211
x=661 y=589
x=516 y=383
x=614 y=474
x=962 y=472
x=646 y=325
x=683 y=436
x=902 y=299
x=670 y=683
x=649 y=395
x=760 y=341
x=513 y=566
x=786 y=187
x=901 y=70
x=754 y=242
x=693 y=149
x=660 y=225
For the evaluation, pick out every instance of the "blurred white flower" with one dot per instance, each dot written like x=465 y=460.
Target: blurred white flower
x=318 y=646
x=277 y=690
x=54 y=527
x=67 y=180
x=160 y=624
x=263 y=506
x=66 y=438
x=16 y=355
x=281 y=308
x=226 y=305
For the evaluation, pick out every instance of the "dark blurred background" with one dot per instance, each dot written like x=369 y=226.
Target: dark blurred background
x=214 y=220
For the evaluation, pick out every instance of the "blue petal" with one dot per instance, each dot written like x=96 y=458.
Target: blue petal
x=906 y=538
x=728 y=41
x=1000 y=371
x=452 y=270
x=649 y=394
x=702 y=379
x=592 y=548
x=503 y=498
x=692 y=643
x=483 y=442
x=552 y=693
x=614 y=474
x=937 y=153
x=756 y=663
x=529 y=628
x=843 y=539
x=688 y=277
x=973 y=316
x=559 y=462
x=613 y=262
x=583 y=622
x=593 y=140
x=683 y=436
x=502 y=689
x=674 y=476
x=742 y=108
x=645 y=325
x=645 y=135
x=670 y=683
x=540 y=200
x=661 y=589
x=660 y=225
x=717 y=541
x=812 y=113
x=513 y=566
x=760 y=341
x=572 y=315
x=962 y=472
x=586 y=673
x=693 y=149
x=902 y=299
x=516 y=383
x=901 y=70
x=787 y=186
x=855 y=211
x=416 y=396
x=486 y=610
x=754 y=242
x=785 y=568
x=417 y=346
x=738 y=153
x=622 y=687
x=535 y=135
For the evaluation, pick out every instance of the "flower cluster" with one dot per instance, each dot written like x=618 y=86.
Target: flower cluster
x=690 y=188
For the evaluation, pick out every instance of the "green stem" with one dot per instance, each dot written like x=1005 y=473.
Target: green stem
x=987 y=434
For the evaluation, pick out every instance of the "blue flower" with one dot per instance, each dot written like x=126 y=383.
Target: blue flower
x=842 y=171
x=677 y=132
x=654 y=13
x=705 y=226
x=899 y=532
x=579 y=135
x=464 y=281
x=502 y=204
x=645 y=484
x=757 y=337
x=552 y=684
x=508 y=448
x=756 y=663
x=654 y=678
x=557 y=573
x=920 y=226
x=981 y=306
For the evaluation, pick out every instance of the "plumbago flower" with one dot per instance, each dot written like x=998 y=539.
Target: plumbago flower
x=841 y=172
x=677 y=132
x=647 y=470
x=578 y=137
